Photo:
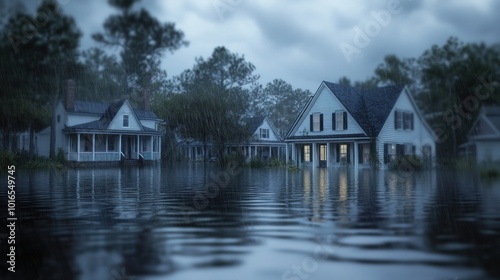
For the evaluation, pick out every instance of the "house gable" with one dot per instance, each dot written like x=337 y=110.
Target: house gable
x=420 y=132
x=265 y=132
x=117 y=118
x=487 y=124
x=324 y=102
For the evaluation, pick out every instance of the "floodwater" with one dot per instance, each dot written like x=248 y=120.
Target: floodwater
x=175 y=222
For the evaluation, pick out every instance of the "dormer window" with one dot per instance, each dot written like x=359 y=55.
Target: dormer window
x=339 y=120
x=264 y=133
x=125 y=120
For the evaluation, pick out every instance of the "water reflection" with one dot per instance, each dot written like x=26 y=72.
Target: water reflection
x=146 y=222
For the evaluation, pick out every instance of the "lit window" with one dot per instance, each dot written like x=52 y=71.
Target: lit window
x=125 y=120
x=391 y=151
x=339 y=120
x=307 y=153
x=343 y=152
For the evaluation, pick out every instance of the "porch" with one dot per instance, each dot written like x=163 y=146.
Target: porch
x=98 y=147
x=332 y=153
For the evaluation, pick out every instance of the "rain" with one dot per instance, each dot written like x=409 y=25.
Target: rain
x=249 y=139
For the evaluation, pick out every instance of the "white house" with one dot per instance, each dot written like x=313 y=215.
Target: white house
x=483 y=139
x=263 y=144
x=341 y=125
x=102 y=132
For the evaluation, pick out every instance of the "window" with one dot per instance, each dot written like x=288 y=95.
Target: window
x=391 y=152
x=264 y=133
x=307 y=153
x=366 y=153
x=408 y=149
x=111 y=142
x=408 y=121
x=403 y=120
x=316 y=122
x=100 y=143
x=125 y=120
x=343 y=153
x=322 y=152
x=339 y=120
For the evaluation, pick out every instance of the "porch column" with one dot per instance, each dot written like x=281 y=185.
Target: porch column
x=68 y=144
x=151 y=148
x=355 y=156
x=313 y=155
x=327 y=154
x=294 y=153
x=120 y=146
x=159 y=147
x=279 y=152
x=270 y=152
x=78 y=147
x=93 y=146
x=137 y=145
x=286 y=153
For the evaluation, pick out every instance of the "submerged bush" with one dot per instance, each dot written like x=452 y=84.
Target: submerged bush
x=256 y=162
x=406 y=163
x=275 y=162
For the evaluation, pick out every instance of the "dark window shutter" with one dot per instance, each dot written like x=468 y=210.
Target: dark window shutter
x=311 y=123
x=411 y=121
x=345 y=120
x=337 y=152
x=348 y=153
x=320 y=122
x=386 y=153
x=360 y=152
x=400 y=150
x=333 y=121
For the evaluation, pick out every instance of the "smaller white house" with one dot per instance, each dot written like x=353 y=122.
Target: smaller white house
x=341 y=125
x=483 y=139
x=102 y=132
x=264 y=143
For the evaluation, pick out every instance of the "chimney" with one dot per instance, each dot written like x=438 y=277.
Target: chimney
x=145 y=100
x=69 y=94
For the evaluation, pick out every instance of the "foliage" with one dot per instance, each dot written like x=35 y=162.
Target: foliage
x=490 y=172
x=406 y=163
x=142 y=40
x=256 y=163
x=292 y=166
x=276 y=162
x=236 y=158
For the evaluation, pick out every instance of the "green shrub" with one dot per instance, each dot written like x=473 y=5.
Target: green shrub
x=7 y=158
x=275 y=162
x=490 y=172
x=292 y=166
x=406 y=163
x=60 y=158
x=235 y=158
x=256 y=163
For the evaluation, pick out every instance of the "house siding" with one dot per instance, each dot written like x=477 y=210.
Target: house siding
x=265 y=125
x=488 y=151
x=327 y=103
x=418 y=137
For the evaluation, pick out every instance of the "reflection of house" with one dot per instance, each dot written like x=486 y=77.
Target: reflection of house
x=263 y=144
x=483 y=140
x=340 y=124
x=102 y=132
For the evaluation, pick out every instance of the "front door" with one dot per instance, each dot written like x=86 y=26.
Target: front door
x=127 y=146
x=322 y=155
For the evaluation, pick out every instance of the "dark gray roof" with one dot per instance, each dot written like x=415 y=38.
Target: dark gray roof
x=253 y=123
x=102 y=125
x=369 y=107
x=88 y=107
x=332 y=136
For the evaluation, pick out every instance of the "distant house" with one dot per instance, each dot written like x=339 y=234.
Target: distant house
x=263 y=144
x=102 y=132
x=483 y=139
x=340 y=125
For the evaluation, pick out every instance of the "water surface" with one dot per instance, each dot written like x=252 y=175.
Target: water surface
x=174 y=222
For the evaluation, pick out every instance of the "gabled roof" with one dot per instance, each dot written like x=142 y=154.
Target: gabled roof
x=254 y=123
x=99 y=108
x=370 y=108
x=492 y=113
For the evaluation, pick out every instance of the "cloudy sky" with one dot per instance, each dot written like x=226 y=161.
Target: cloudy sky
x=307 y=41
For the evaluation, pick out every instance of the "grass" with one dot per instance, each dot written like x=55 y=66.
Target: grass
x=23 y=160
